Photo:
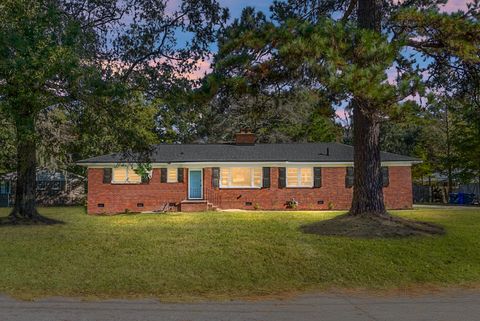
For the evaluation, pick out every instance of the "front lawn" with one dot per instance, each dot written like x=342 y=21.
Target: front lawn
x=225 y=255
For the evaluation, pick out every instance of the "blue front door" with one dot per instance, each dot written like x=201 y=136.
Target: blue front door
x=195 y=189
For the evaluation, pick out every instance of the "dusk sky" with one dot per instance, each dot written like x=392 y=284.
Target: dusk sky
x=236 y=6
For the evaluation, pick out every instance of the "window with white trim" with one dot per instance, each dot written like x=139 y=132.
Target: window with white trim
x=240 y=177
x=299 y=176
x=172 y=176
x=125 y=175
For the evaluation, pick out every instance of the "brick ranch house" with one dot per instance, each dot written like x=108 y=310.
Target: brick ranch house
x=241 y=175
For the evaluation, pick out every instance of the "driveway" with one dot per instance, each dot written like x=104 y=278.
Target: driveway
x=447 y=207
x=460 y=305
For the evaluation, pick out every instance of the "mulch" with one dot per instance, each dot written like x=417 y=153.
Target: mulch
x=366 y=226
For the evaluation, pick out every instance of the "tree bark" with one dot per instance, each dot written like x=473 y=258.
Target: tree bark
x=24 y=209
x=449 y=154
x=369 y=14
x=367 y=191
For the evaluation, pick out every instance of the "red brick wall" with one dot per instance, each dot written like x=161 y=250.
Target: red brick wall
x=399 y=194
x=118 y=198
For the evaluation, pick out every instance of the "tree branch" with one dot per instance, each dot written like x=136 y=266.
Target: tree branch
x=350 y=8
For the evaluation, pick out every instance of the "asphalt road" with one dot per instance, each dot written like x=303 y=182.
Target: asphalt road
x=460 y=305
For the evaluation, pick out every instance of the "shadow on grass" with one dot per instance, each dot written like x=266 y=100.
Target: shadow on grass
x=372 y=227
x=35 y=220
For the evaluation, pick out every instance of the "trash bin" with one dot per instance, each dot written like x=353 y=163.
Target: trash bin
x=469 y=198
x=461 y=198
x=452 y=198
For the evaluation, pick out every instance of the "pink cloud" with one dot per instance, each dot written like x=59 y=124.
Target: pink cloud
x=455 y=5
x=392 y=75
x=450 y=6
x=341 y=113
x=416 y=98
x=202 y=68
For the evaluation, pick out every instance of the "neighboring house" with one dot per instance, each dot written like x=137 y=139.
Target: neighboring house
x=243 y=175
x=54 y=187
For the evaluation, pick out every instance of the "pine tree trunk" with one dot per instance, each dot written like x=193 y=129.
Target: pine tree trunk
x=24 y=209
x=369 y=14
x=367 y=194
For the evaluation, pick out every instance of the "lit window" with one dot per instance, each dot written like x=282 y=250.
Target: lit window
x=299 y=177
x=224 y=176
x=126 y=175
x=172 y=175
x=235 y=177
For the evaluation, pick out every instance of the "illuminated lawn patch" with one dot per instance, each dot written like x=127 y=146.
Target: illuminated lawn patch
x=225 y=255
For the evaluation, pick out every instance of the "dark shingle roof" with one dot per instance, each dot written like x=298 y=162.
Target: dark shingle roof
x=293 y=152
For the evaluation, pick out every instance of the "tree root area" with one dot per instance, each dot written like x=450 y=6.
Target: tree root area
x=366 y=226
x=32 y=219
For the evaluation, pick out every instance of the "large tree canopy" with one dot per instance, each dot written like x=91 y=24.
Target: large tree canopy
x=345 y=51
x=275 y=105
x=95 y=66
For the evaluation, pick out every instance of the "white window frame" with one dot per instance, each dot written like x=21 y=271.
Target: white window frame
x=252 y=177
x=175 y=169
x=299 y=176
x=127 y=168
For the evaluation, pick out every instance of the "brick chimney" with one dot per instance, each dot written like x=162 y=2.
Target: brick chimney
x=245 y=138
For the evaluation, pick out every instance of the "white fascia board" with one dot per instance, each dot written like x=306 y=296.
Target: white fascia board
x=241 y=164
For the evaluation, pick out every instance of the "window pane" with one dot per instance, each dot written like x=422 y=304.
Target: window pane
x=172 y=175
x=241 y=176
x=257 y=176
x=120 y=174
x=224 y=174
x=306 y=176
x=292 y=177
x=133 y=177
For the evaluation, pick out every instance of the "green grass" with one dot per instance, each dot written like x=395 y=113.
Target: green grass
x=226 y=255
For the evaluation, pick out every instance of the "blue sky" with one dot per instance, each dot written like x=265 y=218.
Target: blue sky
x=236 y=6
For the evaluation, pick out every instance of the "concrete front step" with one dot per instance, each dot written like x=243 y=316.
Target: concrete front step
x=196 y=206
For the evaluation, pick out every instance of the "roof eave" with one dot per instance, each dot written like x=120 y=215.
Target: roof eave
x=269 y=162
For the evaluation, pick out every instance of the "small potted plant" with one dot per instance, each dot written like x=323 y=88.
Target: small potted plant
x=292 y=204
x=331 y=205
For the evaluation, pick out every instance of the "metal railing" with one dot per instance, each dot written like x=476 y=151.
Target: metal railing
x=212 y=196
